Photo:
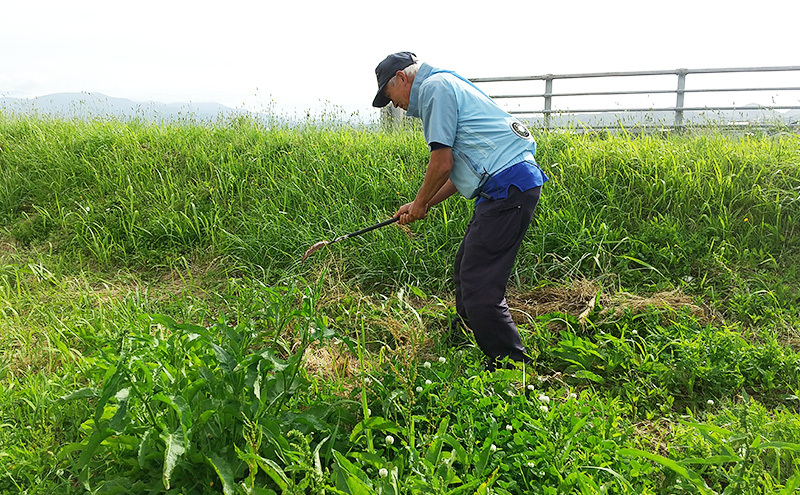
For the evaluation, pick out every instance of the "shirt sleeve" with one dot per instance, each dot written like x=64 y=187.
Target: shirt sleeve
x=439 y=111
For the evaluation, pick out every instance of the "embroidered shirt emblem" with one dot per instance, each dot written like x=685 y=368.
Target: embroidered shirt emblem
x=520 y=130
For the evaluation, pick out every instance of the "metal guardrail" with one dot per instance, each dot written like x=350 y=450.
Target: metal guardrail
x=680 y=92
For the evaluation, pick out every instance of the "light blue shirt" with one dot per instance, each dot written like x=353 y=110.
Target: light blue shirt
x=485 y=140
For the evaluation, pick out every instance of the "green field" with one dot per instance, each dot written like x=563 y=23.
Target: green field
x=159 y=334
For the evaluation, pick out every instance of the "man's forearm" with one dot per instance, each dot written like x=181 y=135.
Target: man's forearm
x=436 y=177
x=436 y=187
x=447 y=190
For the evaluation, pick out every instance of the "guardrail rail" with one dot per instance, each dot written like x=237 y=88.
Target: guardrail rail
x=549 y=98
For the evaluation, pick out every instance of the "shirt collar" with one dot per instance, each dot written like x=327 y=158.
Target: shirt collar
x=413 y=101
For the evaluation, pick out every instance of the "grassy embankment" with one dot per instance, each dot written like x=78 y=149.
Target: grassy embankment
x=158 y=331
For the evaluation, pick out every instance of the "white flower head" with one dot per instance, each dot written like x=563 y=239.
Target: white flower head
x=442 y=359
x=710 y=402
x=493 y=448
x=389 y=439
x=573 y=396
x=428 y=382
x=544 y=399
x=531 y=387
x=509 y=427
x=426 y=364
x=543 y=408
x=383 y=472
x=419 y=390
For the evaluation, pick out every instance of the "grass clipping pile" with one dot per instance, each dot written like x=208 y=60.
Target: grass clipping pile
x=580 y=298
x=413 y=341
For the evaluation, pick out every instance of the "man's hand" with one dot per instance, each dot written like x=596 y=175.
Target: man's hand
x=435 y=188
x=410 y=212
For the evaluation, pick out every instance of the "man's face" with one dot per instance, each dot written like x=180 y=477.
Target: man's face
x=399 y=90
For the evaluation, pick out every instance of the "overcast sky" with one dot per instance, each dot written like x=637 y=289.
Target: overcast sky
x=308 y=54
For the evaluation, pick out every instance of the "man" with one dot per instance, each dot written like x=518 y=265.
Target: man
x=482 y=152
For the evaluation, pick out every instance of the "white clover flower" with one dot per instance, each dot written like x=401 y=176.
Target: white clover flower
x=418 y=389
x=369 y=412
x=635 y=332
x=426 y=364
x=710 y=402
x=383 y=472
x=544 y=399
x=543 y=408
x=367 y=380
x=531 y=464
x=389 y=439
x=442 y=359
x=509 y=427
x=541 y=378
x=573 y=396
x=428 y=382
x=531 y=387
x=493 y=448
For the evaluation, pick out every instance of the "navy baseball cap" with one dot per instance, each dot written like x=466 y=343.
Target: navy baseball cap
x=386 y=70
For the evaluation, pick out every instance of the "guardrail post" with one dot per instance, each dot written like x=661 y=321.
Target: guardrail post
x=681 y=120
x=548 y=99
x=681 y=91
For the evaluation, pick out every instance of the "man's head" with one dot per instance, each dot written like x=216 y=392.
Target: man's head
x=395 y=76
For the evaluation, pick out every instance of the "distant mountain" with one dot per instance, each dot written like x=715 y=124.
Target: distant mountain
x=92 y=105
x=87 y=105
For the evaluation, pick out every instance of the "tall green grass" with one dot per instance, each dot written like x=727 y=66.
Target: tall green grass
x=105 y=224
x=644 y=208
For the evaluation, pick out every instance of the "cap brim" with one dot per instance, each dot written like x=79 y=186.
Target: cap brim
x=380 y=100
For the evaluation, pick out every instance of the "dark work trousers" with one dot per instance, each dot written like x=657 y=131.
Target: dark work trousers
x=483 y=266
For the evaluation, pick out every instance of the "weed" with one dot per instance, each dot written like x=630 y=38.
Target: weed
x=675 y=370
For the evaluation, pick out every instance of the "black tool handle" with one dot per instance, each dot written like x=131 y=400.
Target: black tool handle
x=371 y=227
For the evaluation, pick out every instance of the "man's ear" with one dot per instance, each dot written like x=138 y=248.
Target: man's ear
x=401 y=76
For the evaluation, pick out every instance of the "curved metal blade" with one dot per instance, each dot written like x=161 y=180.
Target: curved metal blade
x=314 y=248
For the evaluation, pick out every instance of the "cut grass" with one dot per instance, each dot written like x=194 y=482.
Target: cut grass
x=658 y=285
